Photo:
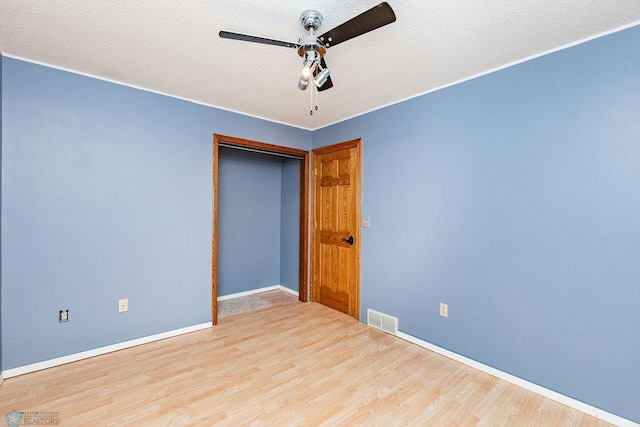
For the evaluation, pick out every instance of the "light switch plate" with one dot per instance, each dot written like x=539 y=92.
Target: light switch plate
x=366 y=221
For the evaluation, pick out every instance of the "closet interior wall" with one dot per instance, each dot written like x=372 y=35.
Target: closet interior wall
x=258 y=208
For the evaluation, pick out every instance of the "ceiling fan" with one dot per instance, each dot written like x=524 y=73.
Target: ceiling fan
x=313 y=48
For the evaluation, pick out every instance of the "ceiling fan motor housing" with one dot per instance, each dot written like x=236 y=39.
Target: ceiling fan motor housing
x=311 y=45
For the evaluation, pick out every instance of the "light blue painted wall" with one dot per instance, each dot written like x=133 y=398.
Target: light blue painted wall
x=515 y=198
x=106 y=194
x=290 y=224
x=249 y=222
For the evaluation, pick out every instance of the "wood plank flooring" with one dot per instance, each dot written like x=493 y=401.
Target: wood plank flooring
x=288 y=364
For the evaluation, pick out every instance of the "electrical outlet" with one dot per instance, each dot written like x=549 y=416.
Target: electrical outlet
x=444 y=310
x=64 y=316
x=123 y=305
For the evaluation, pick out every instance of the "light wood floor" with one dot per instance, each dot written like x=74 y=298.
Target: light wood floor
x=288 y=364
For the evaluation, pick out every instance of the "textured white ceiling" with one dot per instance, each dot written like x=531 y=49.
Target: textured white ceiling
x=173 y=47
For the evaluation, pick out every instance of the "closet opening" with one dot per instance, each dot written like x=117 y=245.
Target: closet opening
x=260 y=218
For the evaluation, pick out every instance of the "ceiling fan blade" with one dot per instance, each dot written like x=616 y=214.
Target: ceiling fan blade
x=328 y=84
x=374 y=18
x=255 y=39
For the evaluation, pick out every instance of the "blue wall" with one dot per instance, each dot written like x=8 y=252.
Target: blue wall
x=249 y=221
x=515 y=198
x=290 y=224
x=106 y=194
x=259 y=222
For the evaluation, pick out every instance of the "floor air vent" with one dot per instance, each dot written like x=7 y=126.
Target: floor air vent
x=382 y=321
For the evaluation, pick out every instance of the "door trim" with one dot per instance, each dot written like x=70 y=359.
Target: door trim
x=357 y=144
x=304 y=212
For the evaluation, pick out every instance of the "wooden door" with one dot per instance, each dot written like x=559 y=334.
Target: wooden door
x=335 y=269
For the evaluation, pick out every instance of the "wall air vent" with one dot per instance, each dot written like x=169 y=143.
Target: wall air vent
x=382 y=321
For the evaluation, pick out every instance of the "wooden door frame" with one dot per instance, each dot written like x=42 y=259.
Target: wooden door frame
x=357 y=144
x=304 y=211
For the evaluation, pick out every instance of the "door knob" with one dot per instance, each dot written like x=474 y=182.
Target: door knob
x=349 y=240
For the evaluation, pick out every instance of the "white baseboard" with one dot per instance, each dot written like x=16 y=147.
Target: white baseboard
x=545 y=392
x=21 y=370
x=291 y=291
x=257 y=291
x=1 y=379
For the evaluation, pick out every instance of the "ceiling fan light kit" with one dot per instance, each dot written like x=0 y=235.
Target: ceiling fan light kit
x=322 y=77
x=313 y=48
x=308 y=68
x=303 y=83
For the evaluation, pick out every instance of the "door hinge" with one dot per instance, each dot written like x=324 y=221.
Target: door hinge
x=315 y=171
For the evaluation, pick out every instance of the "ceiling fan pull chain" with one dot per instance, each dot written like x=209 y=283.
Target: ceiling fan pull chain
x=311 y=109
x=314 y=101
